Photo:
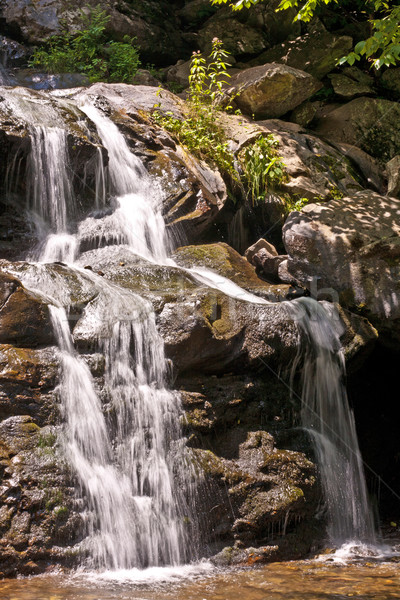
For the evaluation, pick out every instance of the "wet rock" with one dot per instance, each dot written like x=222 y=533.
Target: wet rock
x=350 y=249
x=271 y=90
x=24 y=316
x=27 y=381
x=23 y=109
x=34 y=483
x=212 y=332
x=225 y=261
x=255 y=488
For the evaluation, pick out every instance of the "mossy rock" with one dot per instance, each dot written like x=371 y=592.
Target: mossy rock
x=225 y=261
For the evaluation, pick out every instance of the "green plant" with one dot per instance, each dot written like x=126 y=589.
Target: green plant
x=89 y=51
x=382 y=47
x=258 y=166
x=262 y=167
x=199 y=131
x=295 y=203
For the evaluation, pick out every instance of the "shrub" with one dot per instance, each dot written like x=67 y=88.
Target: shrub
x=262 y=167
x=89 y=52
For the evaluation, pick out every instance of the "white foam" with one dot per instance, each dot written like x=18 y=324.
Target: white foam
x=151 y=575
x=359 y=551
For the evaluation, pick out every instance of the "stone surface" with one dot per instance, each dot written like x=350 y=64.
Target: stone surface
x=262 y=243
x=368 y=123
x=315 y=168
x=393 y=175
x=263 y=480
x=390 y=80
x=351 y=248
x=271 y=90
x=225 y=261
x=268 y=265
x=154 y=24
x=352 y=83
x=315 y=52
x=24 y=316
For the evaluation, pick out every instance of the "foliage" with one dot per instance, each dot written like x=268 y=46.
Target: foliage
x=259 y=164
x=262 y=167
x=292 y=203
x=382 y=48
x=89 y=51
x=199 y=131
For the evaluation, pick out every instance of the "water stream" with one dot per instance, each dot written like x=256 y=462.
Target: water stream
x=135 y=474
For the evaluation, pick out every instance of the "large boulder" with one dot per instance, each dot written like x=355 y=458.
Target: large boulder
x=271 y=90
x=315 y=52
x=247 y=33
x=316 y=168
x=349 y=250
x=369 y=123
x=351 y=83
x=153 y=24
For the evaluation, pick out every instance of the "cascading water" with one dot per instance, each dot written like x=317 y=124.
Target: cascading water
x=132 y=466
x=326 y=415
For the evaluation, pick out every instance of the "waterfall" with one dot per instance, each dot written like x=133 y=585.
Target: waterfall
x=130 y=462
x=129 y=458
x=327 y=417
x=136 y=510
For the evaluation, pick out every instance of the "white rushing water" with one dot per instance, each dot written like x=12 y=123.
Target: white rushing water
x=129 y=459
x=327 y=417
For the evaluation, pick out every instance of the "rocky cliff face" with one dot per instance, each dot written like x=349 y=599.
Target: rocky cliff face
x=258 y=481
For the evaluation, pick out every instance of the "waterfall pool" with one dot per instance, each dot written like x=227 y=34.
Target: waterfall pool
x=319 y=579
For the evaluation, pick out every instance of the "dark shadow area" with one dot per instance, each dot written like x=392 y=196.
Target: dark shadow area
x=374 y=394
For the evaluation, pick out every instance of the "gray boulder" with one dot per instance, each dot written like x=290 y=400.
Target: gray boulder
x=369 y=123
x=316 y=52
x=271 y=90
x=349 y=250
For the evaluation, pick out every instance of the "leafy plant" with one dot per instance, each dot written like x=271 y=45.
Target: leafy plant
x=382 y=48
x=262 y=167
x=89 y=51
x=199 y=131
x=258 y=166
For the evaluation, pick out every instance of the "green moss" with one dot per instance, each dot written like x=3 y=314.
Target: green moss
x=61 y=513
x=47 y=440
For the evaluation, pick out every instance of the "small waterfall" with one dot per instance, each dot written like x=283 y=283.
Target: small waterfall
x=51 y=192
x=326 y=415
x=128 y=471
x=130 y=462
x=138 y=221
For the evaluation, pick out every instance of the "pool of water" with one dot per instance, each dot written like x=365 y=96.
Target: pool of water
x=297 y=580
